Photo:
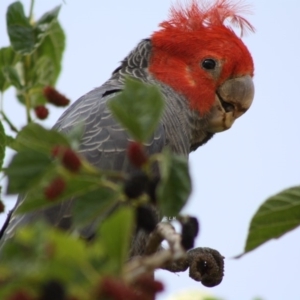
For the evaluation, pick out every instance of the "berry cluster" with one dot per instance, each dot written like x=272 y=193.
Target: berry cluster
x=52 y=96
x=51 y=290
x=71 y=161
x=135 y=186
x=109 y=288
x=140 y=183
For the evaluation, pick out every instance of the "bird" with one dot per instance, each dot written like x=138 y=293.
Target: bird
x=204 y=72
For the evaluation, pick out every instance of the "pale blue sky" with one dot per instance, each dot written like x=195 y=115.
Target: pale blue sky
x=238 y=169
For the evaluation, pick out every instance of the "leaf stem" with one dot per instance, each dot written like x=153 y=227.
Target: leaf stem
x=1 y=101
x=28 y=106
x=31 y=10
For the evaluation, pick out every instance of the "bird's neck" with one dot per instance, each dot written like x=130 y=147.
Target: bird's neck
x=178 y=116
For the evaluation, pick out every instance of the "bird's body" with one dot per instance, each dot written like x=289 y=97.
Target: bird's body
x=195 y=83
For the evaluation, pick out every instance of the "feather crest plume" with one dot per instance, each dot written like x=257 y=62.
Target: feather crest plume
x=197 y=16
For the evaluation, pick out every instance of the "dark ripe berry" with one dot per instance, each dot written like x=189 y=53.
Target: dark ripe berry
x=187 y=240
x=115 y=289
x=146 y=218
x=192 y=225
x=190 y=229
x=20 y=295
x=55 y=188
x=136 y=154
x=2 y=206
x=153 y=183
x=136 y=185
x=54 y=97
x=41 y=112
x=71 y=160
x=53 y=289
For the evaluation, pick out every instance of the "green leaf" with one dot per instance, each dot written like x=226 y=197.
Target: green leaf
x=93 y=204
x=8 y=57
x=43 y=25
x=24 y=37
x=53 y=46
x=275 y=217
x=35 y=137
x=43 y=71
x=41 y=74
x=39 y=253
x=75 y=187
x=175 y=184
x=138 y=108
x=12 y=76
x=2 y=144
x=46 y=64
x=25 y=169
x=10 y=142
x=116 y=234
x=20 y=32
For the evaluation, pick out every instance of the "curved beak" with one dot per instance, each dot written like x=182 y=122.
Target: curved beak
x=233 y=98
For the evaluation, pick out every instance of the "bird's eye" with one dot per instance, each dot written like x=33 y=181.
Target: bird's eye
x=208 y=64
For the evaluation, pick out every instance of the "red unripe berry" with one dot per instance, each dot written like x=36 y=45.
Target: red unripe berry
x=69 y=158
x=41 y=112
x=148 y=285
x=2 y=207
x=55 y=188
x=20 y=295
x=115 y=289
x=136 y=154
x=54 y=97
x=57 y=150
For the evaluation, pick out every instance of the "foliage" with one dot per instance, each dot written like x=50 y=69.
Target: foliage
x=47 y=168
x=33 y=59
x=146 y=116
x=276 y=216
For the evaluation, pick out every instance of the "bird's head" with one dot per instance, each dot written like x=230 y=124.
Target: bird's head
x=201 y=57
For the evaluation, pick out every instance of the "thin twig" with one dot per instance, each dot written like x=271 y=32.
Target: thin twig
x=10 y=124
x=28 y=107
x=140 y=265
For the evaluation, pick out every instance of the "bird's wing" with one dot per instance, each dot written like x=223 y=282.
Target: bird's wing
x=103 y=144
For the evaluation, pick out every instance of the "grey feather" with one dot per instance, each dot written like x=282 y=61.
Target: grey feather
x=104 y=141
